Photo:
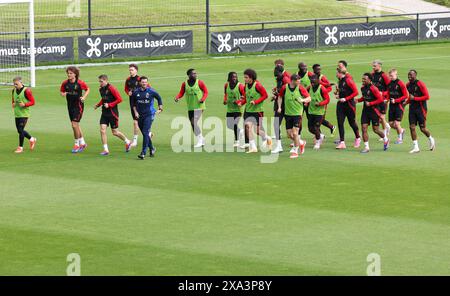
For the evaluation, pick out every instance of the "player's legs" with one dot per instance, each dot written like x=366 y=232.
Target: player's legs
x=197 y=116
x=340 y=115
x=314 y=126
x=114 y=123
x=104 y=138
x=194 y=117
x=375 y=127
x=329 y=125
x=76 y=130
x=365 y=128
x=250 y=121
x=20 y=126
x=277 y=128
x=425 y=131
x=351 y=117
x=236 y=129
x=145 y=125
x=232 y=123
x=382 y=117
x=260 y=130
x=377 y=131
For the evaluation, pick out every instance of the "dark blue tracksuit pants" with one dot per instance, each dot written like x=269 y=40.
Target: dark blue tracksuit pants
x=145 y=125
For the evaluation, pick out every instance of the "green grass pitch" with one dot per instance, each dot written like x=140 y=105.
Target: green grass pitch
x=225 y=213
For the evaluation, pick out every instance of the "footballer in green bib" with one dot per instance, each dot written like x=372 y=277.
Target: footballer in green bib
x=22 y=100
x=255 y=95
x=196 y=93
x=234 y=90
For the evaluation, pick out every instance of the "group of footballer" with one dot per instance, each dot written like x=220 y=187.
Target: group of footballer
x=303 y=93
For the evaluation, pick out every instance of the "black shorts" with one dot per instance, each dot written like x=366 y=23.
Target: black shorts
x=315 y=120
x=110 y=120
x=417 y=116
x=370 y=114
x=234 y=115
x=254 y=117
x=76 y=110
x=396 y=112
x=293 y=121
x=195 y=114
x=382 y=107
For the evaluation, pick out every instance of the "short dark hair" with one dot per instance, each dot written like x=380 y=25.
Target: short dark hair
x=294 y=77
x=300 y=64
x=74 y=70
x=230 y=74
x=103 y=77
x=343 y=63
x=144 y=77
x=188 y=72
x=313 y=77
x=133 y=66
x=368 y=75
x=412 y=70
x=279 y=62
x=316 y=65
x=278 y=69
x=251 y=73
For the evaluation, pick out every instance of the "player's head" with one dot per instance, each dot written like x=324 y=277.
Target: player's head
x=376 y=65
x=279 y=62
x=250 y=76
x=72 y=72
x=192 y=74
x=17 y=81
x=340 y=74
x=278 y=71
x=314 y=80
x=144 y=81
x=133 y=68
x=103 y=80
x=232 y=78
x=393 y=74
x=302 y=67
x=295 y=80
x=367 y=78
x=342 y=65
x=317 y=69
x=412 y=75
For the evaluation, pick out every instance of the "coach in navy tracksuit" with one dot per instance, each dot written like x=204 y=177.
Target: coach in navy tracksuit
x=144 y=110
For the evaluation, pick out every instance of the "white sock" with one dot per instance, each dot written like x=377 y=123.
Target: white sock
x=81 y=141
x=385 y=138
x=279 y=143
x=366 y=145
x=127 y=141
x=105 y=147
x=135 y=138
x=416 y=143
x=430 y=138
x=252 y=144
x=77 y=142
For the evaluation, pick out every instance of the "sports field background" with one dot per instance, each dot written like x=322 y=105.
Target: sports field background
x=224 y=213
